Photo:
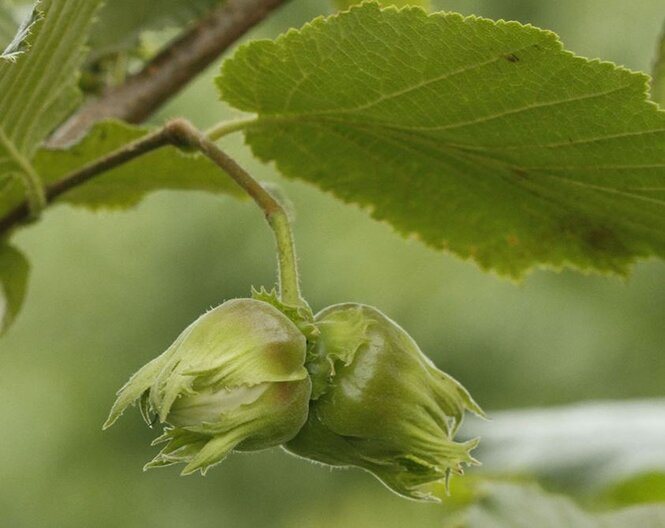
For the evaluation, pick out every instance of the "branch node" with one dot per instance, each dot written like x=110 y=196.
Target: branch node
x=182 y=134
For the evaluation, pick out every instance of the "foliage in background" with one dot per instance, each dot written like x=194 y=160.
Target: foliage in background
x=642 y=488
x=121 y=22
x=509 y=506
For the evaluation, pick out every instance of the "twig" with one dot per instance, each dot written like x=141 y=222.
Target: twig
x=143 y=93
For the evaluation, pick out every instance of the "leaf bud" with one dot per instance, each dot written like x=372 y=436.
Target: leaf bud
x=234 y=379
x=387 y=408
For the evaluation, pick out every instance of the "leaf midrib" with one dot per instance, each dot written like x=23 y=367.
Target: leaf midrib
x=275 y=120
x=469 y=151
x=335 y=117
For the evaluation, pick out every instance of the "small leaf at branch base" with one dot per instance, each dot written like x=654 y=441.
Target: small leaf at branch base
x=13 y=281
x=484 y=138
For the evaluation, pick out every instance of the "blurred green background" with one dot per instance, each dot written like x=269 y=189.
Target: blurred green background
x=110 y=291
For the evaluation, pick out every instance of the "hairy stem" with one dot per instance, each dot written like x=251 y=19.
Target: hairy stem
x=276 y=216
x=228 y=127
x=289 y=284
x=177 y=64
x=182 y=134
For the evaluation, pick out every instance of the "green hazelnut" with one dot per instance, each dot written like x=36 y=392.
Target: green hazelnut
x=234 y=379
x=387 y=408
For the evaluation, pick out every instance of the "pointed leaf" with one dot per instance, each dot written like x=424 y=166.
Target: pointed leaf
x=13 y=281
x=485 y=138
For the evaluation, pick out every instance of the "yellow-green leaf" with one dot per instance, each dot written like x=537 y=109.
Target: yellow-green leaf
x=13 y=281
x=165 y=169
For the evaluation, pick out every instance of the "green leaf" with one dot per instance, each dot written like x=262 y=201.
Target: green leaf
x=38 y=87
x=13 y=282
x=126 y=185
x=121 y=22
x=485 y=138
x=509 y=506
x=425 y=4
x=658 y=84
